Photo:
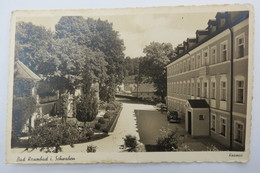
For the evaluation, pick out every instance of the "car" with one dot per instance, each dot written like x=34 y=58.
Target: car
x=164 y=108
x=172 y=117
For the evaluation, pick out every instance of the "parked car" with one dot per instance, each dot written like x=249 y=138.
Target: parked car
x=172 y=117
x=164 y=108
x=161 y=107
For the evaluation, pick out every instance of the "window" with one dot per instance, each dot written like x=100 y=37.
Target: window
x=198 y=89
x=205 y=58
x=177 y=88
x=184 y=88
x=180 y=88
x=188 y=65
x=184 y=66
x=239 y=131
x=198 y=60
x=180 y=67
x=213 y=90
x=188 y=88
x=223 y=91
x=240 y=46
x=213 y=122
x=240 y=91
x=213 y=55
x=201 y=117
x=205 y=90
x=223 y=126
x=223 y=49
x=192 y=88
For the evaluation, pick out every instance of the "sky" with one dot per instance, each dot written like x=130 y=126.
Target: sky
x=139 y=30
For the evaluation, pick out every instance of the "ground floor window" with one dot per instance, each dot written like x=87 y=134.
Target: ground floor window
x=223 y=126
x=213 y=122
x=239 y=131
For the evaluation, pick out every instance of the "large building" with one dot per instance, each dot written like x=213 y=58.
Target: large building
x=207 y=83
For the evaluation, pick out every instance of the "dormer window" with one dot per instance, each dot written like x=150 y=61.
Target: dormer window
x=222 y=22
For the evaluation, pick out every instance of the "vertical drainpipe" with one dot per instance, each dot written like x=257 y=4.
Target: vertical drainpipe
x=231 y=86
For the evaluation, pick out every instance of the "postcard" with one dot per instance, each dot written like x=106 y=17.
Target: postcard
x=131 y=85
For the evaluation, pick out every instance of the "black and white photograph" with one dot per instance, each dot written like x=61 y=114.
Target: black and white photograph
x=133 y=85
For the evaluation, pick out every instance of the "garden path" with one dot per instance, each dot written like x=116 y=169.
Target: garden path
x=126 y=125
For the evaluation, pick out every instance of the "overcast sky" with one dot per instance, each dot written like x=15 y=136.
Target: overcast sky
x=137 y=31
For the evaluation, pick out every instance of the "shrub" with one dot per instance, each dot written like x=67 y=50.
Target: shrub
x=105 y=130
x=86 y=133
x=171 y=141
x=50 y=136
x=97 y=126
x=87 y=107
x=101 y=120
x=113 y=106
x=91 y=149
x=89 y=134
x=102 y=105
x=107 y=115
x=212 y=148
x=130 y=142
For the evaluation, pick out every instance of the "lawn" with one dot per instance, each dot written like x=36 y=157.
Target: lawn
x=149 y=124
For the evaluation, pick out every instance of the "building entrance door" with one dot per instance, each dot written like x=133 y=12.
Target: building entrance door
x=189 y=122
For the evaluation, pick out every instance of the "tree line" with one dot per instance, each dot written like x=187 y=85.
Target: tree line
x=89 y=48
x=82 y=47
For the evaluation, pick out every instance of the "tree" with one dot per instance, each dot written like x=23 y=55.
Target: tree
x=24 y=105
x=50 y=136
x=100 y=43
x=35 y=47
x=130 y=143
x=131 y=66
x=153 y=65
x=73 y=27
x=105 y=39
x=87 y=107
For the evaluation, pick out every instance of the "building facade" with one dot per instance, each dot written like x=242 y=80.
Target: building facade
x=213 y=67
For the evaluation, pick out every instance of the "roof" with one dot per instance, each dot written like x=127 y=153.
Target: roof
x=23 y=72
x=243 y=16
x=198 y=103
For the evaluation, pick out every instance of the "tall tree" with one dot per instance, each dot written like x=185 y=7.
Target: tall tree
x=104 y=38
x=87 y=107
x=73 y=27
x=131 y=66
x=98 y=36
x=35 y=47
x=153 y=65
